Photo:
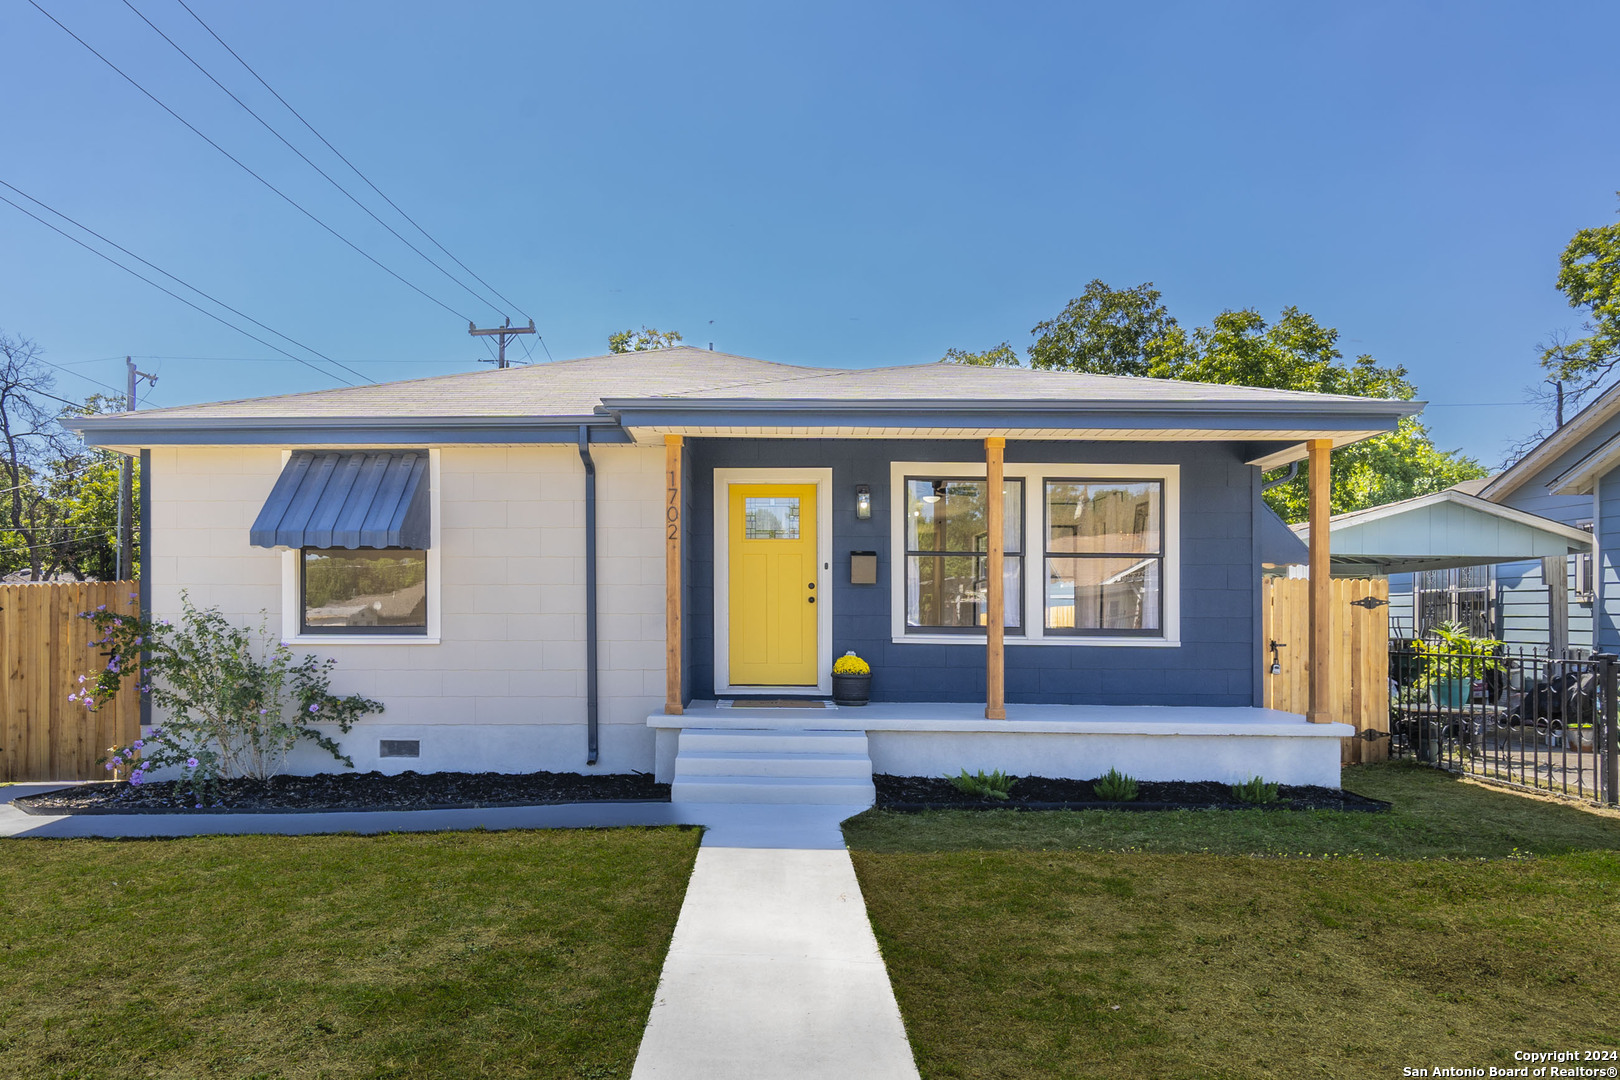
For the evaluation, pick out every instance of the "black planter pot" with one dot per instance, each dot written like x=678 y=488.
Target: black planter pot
x=851 y=689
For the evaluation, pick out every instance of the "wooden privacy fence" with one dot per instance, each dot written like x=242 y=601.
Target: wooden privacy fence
x=1359 y=687
x=44 y=648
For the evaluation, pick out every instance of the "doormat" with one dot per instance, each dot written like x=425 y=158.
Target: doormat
x=775 y=703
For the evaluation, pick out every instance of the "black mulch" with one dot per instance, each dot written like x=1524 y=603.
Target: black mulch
x=350 y=791
x=911 y=793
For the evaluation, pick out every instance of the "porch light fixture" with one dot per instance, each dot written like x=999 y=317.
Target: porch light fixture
x=937 y=493
x=863 y=501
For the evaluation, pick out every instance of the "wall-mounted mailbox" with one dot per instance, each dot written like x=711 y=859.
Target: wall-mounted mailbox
x=863 y=568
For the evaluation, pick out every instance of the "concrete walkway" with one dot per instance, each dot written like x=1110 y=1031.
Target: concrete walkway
x=773 y=970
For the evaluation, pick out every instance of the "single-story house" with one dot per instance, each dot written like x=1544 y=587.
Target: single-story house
x=612 y=562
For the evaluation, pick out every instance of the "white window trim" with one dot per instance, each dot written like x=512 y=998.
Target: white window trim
x=1034 y=475
x=723 y=479
x=292 y=608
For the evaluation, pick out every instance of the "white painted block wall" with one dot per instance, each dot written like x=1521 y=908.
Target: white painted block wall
x=505 y=688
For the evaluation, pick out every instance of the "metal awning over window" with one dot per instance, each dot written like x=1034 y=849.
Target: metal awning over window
x=347 y=499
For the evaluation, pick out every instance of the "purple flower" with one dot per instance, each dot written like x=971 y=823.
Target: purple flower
x=81 y=680
x=101 y=607
x=73 y=697
x=314 y=708
x=134 y=596
x=139 y=744
x=191 y=763
x=111 y=765
x=263 y=711
x=137 y=779
x=199 y=806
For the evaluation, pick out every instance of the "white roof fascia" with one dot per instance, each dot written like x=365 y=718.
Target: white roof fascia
x=1546 y=452
x=1579 y=478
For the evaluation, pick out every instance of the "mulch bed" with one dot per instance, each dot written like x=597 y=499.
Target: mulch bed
x=350 y=791
x=914 y=793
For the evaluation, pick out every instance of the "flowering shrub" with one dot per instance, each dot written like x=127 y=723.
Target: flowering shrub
x=236 y=703
x=850 y=664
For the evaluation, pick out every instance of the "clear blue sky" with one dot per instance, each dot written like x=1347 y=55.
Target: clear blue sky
x=844 y=184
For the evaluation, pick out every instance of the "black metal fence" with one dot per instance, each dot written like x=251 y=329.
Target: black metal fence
x=1518 y=717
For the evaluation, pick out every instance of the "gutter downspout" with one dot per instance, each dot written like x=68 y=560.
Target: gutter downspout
x=1293 y=471
x=590 y=594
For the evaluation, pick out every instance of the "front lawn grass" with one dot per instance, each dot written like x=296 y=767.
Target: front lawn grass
x=1465 y=925
x=509 y=954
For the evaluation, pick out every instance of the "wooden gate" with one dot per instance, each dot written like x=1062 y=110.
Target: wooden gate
x=1359 y=685
x=44 y=648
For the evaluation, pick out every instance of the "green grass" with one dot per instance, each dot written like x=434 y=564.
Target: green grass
x=1113 y=944
x=1434 y=814
x=512 y=954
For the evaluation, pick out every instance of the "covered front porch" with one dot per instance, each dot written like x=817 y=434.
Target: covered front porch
x=1205 y=721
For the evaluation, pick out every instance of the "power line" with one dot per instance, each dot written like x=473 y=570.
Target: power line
x=268 y=127
x=78 y=375
x=177 y=296
x=345 y=160
x=184 y=284
x=238 y=162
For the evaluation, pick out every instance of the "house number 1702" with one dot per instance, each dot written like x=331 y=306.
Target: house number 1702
x=672 y=512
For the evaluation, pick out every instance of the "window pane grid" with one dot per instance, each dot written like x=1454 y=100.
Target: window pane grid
x=947 y=568
x=1104 y=557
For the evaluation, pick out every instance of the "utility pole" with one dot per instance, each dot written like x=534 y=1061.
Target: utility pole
x=501 y=332
x=126 y=484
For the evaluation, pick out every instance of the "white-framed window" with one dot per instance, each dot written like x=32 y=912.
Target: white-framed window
x=1092 y=553
x=365 y=596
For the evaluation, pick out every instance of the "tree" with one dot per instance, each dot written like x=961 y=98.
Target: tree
x=1108 y=331
x=1589 y=277
x=59 y=509
x=30 y=441
x=1000 y=356
x=643 y=339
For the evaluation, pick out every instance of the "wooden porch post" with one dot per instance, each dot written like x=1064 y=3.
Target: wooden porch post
x=674 y=704
x=1321 y=604
x=995 y=670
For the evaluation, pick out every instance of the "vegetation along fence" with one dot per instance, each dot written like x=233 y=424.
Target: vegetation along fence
x=1359 y=693
x=1518 y=717
x=44 y=648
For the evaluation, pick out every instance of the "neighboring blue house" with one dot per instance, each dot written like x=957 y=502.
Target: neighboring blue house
x=1569 y=477
x=583 y=563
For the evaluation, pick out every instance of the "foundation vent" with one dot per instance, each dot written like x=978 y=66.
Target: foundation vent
x=399 y=748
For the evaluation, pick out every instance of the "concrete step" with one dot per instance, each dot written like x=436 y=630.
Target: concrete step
x=747 y=789
x=690 y=763
x=748 y=740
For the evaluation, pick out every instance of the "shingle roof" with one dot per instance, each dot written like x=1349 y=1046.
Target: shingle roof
x=576 y=388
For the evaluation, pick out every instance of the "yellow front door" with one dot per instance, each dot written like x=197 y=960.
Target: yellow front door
x=773 y=584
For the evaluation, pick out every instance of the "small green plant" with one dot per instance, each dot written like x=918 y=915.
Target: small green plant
x=996 y=785
x=1115 y=786
x=1456 y=655
x=236 y=703
x=1256 y=790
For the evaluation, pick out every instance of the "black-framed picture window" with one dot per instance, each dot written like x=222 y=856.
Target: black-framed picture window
x=947 y=561
x=1104 y=557
x=362 y=591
